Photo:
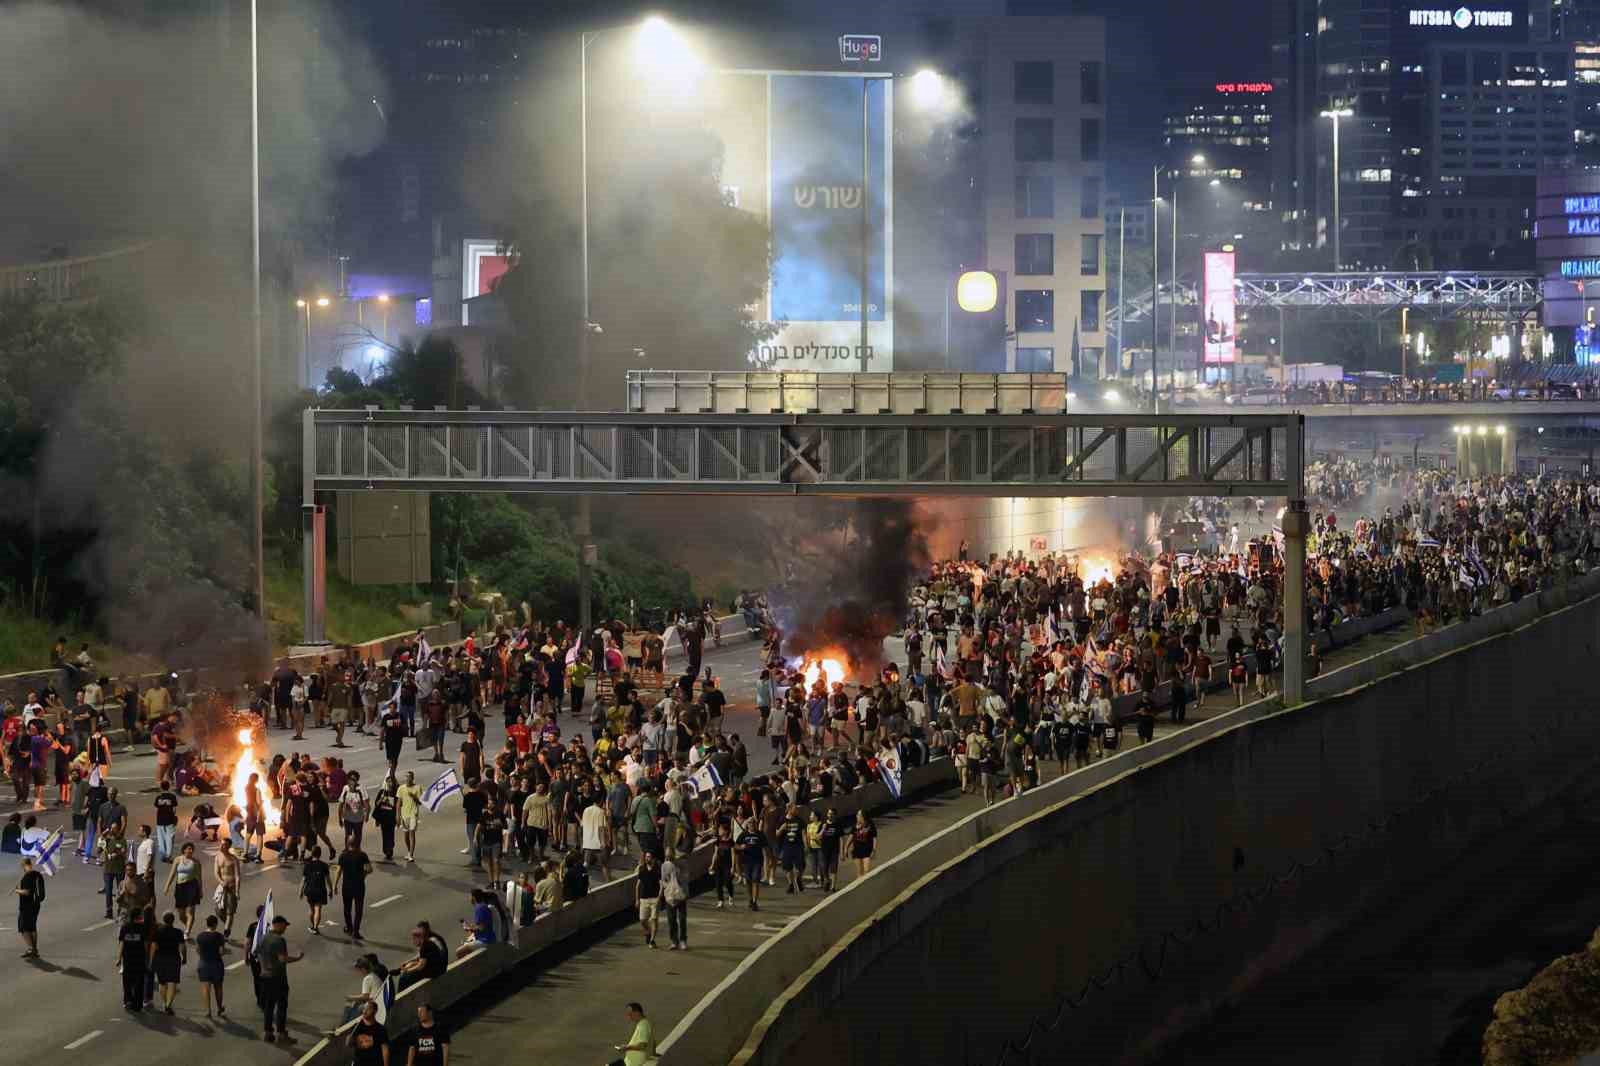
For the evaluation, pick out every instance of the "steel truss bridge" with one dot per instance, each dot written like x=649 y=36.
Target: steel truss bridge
x=1497 y=296
x=798 y=454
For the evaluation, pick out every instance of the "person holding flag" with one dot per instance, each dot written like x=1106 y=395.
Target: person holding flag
x=30 y=897
x=444 y=786
x=705 y=778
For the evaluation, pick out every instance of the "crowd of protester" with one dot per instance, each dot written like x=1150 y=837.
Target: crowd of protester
x=1011 y=666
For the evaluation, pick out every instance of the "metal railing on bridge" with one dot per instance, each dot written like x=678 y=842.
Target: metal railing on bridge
x=848 y=455
x=77 y=278
x=1443 y=293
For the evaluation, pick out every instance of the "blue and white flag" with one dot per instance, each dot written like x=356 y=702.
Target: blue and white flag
x=263 y=923
x=893 y=773
x=706 y=778
x=446 y=784
x=386 y=998
x=46 y=854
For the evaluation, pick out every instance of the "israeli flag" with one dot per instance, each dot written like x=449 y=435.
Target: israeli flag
x=893 y=773
x=262 y=924
x=446 y=784
x=45 y=853
x=706 y=778
x=385 y=998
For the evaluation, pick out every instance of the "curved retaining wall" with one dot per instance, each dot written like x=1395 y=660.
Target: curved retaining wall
x=467 y=976
x=1102 y=915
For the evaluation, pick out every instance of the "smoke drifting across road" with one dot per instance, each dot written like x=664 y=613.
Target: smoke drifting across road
x=862 y=598
x=129 y=122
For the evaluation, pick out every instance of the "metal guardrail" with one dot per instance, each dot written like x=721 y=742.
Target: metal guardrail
x=810 y=392
x=64 y=280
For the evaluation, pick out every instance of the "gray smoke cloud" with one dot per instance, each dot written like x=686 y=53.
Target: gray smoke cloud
x=130 y=122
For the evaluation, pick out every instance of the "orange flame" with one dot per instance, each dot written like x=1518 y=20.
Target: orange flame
x=827 y=667
x=243 y=767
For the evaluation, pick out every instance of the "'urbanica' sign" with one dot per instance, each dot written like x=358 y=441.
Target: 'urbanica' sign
x=1580 y=268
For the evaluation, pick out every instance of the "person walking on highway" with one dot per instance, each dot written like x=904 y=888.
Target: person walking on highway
x=314 y=888
x=429 y=1044
x=30 y=898
x=351 y=880
x=392 y=727
x=675 y=898
x=183 y=881
x=209 y=970
x=169 y=958
x=354 y=808
x=227 y=868
x=752 y=848
x=133 y=956
x=641 y=1045
x=384 y=812
x=647 y=897
x=274 y=959
x=113 y=865
x=863 y=843
x=408 y=799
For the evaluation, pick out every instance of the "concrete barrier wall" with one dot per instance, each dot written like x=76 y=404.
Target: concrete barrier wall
x=603 y=903
x=1102 y=915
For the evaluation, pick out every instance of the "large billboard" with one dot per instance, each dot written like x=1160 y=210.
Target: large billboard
x=1218 y=305
x=793 y=147
x=1567 y=244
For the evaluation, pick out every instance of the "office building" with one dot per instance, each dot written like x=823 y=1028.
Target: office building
x=1217 y=159
x=1446 y=113
x=1043 y=120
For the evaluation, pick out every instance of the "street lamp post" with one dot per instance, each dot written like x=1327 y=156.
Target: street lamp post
x=1336 y=114
x=257 y=456
x=1172 y=309
x=1155 y=274
x=1122 y=262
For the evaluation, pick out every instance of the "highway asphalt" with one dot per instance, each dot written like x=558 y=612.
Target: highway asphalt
x=75 y=984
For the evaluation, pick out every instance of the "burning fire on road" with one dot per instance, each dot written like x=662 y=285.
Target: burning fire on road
x=243 y=767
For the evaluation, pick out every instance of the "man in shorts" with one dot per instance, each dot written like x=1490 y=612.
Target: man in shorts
x=647 y=895
x=408 y=802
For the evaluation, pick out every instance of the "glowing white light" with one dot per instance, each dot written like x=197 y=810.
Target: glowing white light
x=928 y=90
x=1112 y=396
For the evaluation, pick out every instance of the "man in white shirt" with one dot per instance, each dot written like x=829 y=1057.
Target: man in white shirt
x=917 y=710
x=595 y=826
x=426 y=680
x=144 y=854
x=32 y=708
x=1099 y=718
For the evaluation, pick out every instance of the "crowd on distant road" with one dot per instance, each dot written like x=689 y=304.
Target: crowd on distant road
x=607 y=764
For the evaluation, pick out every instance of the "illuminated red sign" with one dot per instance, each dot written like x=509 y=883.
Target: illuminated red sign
x=1244 y=86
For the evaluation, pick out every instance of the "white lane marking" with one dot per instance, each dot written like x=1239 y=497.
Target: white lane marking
x=234 y=965
x=385 y=901
x=82 y=1040
x=99 y=925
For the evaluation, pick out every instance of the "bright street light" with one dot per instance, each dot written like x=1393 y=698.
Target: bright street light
x=1198 y=160
x=662 y=51
x=323 y=301
x=383 y=297
x=977 y=291
x=1111 y=396
x=928 y=90
x=299 y=303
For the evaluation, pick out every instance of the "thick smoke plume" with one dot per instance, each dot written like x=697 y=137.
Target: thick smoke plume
x=127 y=123
x=862 y=597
